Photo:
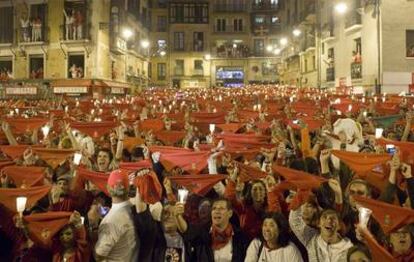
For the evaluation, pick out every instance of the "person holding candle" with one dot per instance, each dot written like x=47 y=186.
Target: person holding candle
x=162 y=240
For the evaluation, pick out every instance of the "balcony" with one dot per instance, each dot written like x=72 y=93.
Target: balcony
x=118 y=45
x=330 y=74
x=234 y=7
x=356 y=70
x=328 y=32
x=228 y=51
x=353 y=22
x=31 y=36
x=266 y=28
x=309 y=13
x=79 y=34
x=178 y=71
x=198 y=72
x=265 y=6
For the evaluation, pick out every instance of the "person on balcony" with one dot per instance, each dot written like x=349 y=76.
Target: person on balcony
x=78 y=25
x=25 y=27
x=36 y=29
x=69 y=20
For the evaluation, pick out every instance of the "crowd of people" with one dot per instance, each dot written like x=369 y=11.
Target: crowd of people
x=261 y=173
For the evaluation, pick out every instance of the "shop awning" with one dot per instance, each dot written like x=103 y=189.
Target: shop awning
x=64 y=86
x=116 y=87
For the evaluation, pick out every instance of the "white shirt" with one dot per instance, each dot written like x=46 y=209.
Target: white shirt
x=289 y=253
x=224 y=254
x=117 y=240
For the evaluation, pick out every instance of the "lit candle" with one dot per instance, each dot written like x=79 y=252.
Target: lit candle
x=21 y=204
x=364 y=215
x=259 y=107
x=182 y=195
x=378 y=132
x=212 y=128
x=77 y=158
x=365 y=113
x=350 y=108
x=17 y=110
x=45 y=130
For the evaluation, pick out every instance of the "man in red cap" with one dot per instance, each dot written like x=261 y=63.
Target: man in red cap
x=117 y=240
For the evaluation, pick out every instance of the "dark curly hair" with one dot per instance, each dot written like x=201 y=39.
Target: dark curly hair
x=284 y=236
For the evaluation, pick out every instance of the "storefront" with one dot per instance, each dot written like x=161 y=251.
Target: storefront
x=230 y=76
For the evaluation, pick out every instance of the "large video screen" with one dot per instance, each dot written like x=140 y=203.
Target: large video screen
x=230 y=74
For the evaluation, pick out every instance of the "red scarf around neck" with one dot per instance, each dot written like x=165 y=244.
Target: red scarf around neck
x=220 y=238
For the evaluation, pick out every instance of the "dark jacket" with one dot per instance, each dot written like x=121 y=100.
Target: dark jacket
x=153 y=244
x=200 y=239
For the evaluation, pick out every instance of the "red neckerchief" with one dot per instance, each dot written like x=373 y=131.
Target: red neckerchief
x=220 y=239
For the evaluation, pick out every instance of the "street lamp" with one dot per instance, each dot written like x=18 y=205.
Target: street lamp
x=127 y=33
x=145 y=43
x=207 y=57
x=283 y=41
x=277 y=51
x=163 y=53
x=296 y=32
x=269 y=48
x=341 y=7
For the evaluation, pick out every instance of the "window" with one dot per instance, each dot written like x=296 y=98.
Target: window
x=259 y=47
x=259 y=19
x=6 y=68
x=179 y=41
x=161 y=71
x=288 y=17
x=179 y=67
x=38 y=19
x=76 y=65
x=162 y=44
x=238 y=25
x=198 y=67
x=198 y=41
x=313 y=62
x=188 y=13
x=357 y=52
x=36 y=67
x=409 y=42
x=77 y=11
x=162 y=24
x=6 y=24
x=198 y=64
x=221 y=25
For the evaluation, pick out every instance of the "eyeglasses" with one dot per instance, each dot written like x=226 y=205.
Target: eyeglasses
x=358 y=192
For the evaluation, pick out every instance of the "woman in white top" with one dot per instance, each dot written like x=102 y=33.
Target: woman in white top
x=274 y=244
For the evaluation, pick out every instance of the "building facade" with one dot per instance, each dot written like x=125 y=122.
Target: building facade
x=370 y=44
x=214 y=42
x=73 y=46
